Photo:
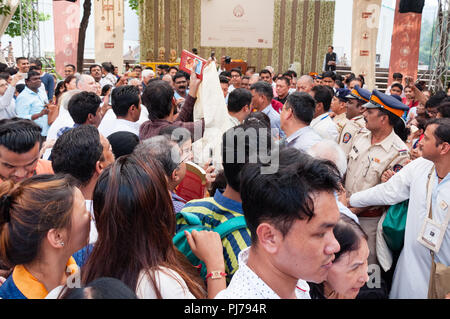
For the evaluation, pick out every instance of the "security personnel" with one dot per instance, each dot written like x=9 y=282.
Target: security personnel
x=339 y=107
x=356 y=124
x=372 y=153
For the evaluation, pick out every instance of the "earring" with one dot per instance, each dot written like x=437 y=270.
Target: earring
x=62 y=244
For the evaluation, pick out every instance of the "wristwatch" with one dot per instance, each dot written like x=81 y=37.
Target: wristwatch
x=216 y=275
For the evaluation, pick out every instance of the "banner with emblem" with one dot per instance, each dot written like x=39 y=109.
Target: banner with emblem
x=66 y=21
x=366 y=17
x=109 y=26
x=237 y=23
x=405 y=43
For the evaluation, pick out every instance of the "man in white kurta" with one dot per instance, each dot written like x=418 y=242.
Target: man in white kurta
x=411 y=277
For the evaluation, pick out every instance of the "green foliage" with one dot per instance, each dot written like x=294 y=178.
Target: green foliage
x=134 y=5
x=426 y=38
x=13 y=29
x=5 y=9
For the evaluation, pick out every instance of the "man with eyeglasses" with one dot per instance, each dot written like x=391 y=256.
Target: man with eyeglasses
x=172 y=158
x=371 y=154
x=236 y=79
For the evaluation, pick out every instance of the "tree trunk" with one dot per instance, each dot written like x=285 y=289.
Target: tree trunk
x=82 y=34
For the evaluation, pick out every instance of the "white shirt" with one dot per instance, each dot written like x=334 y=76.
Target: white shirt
x=412 y=273
x=245 y=284
x=325 y=127
x=119 y=125
x=345 y=211
x=8 y=104
x=109 y=121
x=169 y=282
x=63 y=120
x=93 y=235
x=231 y=121
x=412 y=113
x=108 y=79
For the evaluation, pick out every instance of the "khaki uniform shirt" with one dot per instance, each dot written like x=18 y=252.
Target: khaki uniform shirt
x=340 y=121
x=350 y=130
x=367 y=162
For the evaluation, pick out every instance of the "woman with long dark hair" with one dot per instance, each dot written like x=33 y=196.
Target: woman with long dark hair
x=135 y=222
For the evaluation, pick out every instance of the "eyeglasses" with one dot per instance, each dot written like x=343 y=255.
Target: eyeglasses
x=186 y=155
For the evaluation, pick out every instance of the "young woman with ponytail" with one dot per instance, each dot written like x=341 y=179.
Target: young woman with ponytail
x=43 y=224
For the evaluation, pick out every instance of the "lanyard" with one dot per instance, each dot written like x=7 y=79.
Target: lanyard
x=324 y=117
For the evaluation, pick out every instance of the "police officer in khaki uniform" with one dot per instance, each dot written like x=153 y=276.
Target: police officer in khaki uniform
x=372 y=153
x=356 y=123
x=339 y=108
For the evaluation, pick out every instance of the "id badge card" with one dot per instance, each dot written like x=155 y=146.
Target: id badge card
x=432 y=234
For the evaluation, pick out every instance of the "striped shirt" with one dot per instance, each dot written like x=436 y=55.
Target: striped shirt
x=214 y=211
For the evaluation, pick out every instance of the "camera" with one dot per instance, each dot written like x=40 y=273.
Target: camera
x=227 y=60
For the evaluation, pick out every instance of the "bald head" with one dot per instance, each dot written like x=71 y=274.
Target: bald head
x=330 y=150
x=85 y=82
x=253 y=79
x=305 y=84
x=168 y=78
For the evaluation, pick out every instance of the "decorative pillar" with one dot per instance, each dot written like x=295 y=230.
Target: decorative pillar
x=109 y=24
x=66 y=21
x=366 y=18
x=405 y=44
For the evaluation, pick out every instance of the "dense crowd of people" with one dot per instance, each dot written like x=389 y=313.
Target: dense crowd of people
x=92 y=169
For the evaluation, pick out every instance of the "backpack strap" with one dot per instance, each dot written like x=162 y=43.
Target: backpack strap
x=224 y=229
x=230 y=226
x=191 y=219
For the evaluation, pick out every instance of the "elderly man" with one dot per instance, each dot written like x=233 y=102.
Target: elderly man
x=138 y=83
x=330 y=150
x=305 y=84
x=147 y=75
x=86 y=83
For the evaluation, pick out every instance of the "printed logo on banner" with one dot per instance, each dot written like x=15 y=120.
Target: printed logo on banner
x=109 y=45
x=239 y=11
